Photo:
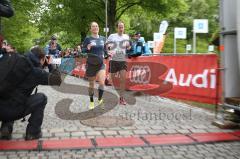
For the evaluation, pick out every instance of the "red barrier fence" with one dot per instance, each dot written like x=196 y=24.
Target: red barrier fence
x=190 y=77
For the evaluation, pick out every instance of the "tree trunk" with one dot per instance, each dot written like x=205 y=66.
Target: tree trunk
x=83 y=36
x=112 y=6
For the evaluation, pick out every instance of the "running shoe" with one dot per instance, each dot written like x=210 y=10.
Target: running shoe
x=122 y=101
x=91 y=105
x=101 y=103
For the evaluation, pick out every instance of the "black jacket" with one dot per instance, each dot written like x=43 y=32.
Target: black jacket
x=37 y=76
x=6 y=9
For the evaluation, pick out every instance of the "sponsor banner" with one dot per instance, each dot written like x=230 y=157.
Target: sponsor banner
x=158 y=45
x=191 y=77
x=163 y=27
x=66 y=65
x=200 y=25
x=180 y=33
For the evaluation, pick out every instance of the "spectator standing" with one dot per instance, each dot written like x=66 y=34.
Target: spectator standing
x=53 y=49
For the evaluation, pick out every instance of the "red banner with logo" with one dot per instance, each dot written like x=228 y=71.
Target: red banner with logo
x=193 y=77
x=190 y=77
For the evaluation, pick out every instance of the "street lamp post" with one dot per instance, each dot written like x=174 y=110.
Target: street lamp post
x=106 y=18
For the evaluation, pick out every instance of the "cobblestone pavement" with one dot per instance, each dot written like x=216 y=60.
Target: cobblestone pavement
x=150 y=115
x=201 y=151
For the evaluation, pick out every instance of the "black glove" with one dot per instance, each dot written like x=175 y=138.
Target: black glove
x=55 y=78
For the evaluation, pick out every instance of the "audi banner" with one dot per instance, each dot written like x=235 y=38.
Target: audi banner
x=188 y=77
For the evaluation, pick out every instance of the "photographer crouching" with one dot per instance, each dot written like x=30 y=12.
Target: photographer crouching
x=20 y=102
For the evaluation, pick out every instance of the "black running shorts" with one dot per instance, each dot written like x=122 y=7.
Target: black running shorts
x=92 y=70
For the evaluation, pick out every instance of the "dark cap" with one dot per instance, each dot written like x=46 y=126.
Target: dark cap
x=53 y=37
x=137 y=33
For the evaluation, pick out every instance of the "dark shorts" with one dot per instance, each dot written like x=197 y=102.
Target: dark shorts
x=92 y=70
x=116 y=66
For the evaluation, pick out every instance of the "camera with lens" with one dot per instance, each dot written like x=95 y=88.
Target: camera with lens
x=46 y=61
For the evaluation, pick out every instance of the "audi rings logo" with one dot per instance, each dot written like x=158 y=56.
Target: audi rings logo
x=140 y=74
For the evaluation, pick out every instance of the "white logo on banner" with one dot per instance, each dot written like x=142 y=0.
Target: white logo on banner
x=56 y=61
x=140 y=74
x=162 y=30
x=211 y=48
x=180 y=33
x=105 y=29
x=200 y=25
x=198 y=80
x=151 y=44
x=157 y=36
x=188 y=47
x=163 y=27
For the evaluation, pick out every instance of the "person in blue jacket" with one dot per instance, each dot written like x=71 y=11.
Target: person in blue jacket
x=139 y=47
